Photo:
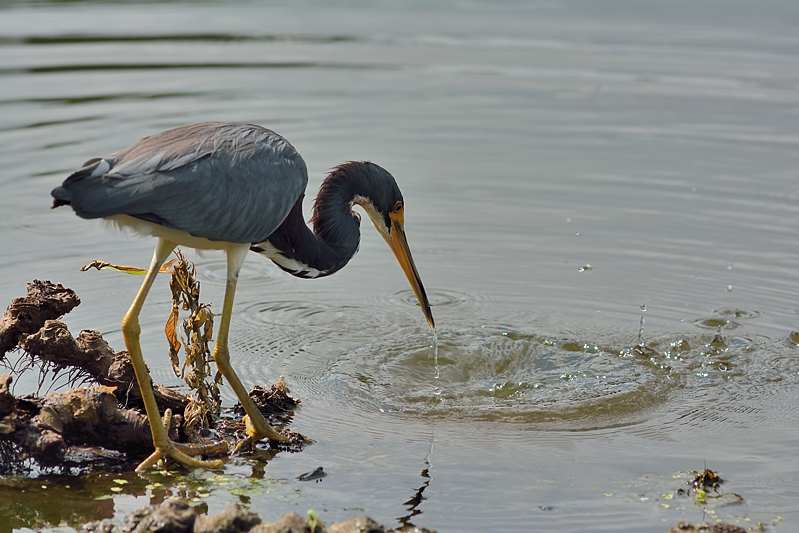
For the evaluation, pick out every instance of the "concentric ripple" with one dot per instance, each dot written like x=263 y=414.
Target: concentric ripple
x=502 y=375
x=378 y=358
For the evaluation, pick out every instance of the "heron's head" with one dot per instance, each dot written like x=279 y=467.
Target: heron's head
x=376 y=191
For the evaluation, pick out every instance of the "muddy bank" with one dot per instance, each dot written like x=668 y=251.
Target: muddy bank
x=175 y=515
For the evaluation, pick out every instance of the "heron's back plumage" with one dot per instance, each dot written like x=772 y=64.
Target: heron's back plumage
x=220 y=181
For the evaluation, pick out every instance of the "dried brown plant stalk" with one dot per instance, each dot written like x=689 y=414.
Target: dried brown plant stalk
x=198 y=326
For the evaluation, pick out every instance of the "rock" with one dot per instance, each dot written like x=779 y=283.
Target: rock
x=359 y=524
x=100 y=526
x=234 y=519
x=172 y=516
x=288 y=523
x=683 y=527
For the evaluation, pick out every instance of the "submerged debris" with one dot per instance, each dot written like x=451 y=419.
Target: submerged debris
x=175 y=515
x=684 y=527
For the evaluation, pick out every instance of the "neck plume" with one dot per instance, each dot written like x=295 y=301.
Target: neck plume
x=336 y=233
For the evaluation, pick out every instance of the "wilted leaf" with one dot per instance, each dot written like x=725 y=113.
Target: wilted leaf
x=172 y=338
x=100 y=264
x=110 y=389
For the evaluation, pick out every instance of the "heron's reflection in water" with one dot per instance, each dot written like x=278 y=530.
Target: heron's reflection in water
x=414 y=503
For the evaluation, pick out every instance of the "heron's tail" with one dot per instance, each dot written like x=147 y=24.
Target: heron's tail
x=60 y=196
x=92 y=167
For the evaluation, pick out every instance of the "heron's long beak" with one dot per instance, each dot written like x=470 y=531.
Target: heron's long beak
x=399 y=245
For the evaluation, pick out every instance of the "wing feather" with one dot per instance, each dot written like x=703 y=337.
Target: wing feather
x=225 y=182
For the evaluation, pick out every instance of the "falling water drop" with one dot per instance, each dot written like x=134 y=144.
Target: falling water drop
x=641 y=327
x=437 y=375
x=729 y=288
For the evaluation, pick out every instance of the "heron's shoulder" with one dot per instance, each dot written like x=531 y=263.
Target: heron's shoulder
x=236 y=144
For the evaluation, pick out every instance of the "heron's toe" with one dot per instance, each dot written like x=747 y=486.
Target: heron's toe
x=183 y=454
x=260 y=429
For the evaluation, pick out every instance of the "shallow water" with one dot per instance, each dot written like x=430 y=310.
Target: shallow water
x=562 y=164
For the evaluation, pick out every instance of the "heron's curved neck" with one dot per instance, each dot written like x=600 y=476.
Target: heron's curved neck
x=336 y=233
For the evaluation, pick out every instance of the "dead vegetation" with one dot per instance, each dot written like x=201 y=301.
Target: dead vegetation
x=198 y=328
x=106 y=414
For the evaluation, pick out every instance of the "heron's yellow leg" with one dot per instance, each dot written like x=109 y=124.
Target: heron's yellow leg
x=257 y=426
x=131 y=331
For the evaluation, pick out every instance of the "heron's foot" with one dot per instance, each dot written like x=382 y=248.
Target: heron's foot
x=258 y=429
x=184 y=453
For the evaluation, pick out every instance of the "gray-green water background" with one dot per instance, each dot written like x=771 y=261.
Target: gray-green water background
x=657 y=142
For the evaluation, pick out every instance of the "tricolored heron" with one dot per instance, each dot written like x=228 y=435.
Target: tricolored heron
x=237 y=188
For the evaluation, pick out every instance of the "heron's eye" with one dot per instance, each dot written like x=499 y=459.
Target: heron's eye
x=397 y=205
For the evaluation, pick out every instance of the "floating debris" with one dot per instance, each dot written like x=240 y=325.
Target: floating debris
x=684 y=527
x=585 y=268
x=316 y=475
x=706 y=479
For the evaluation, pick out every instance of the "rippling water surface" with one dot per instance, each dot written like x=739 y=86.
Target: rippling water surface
x=563 y=164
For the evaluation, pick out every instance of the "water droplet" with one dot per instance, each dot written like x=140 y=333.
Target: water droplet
x=437 y=375
x=435 y=354
x=641 y=326
x=729 y=267
x=585 y=268
x=568 y=220
x=729 y=288
x=577 y=233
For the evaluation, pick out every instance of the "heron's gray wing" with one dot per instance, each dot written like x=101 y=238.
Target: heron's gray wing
x=228 y=182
